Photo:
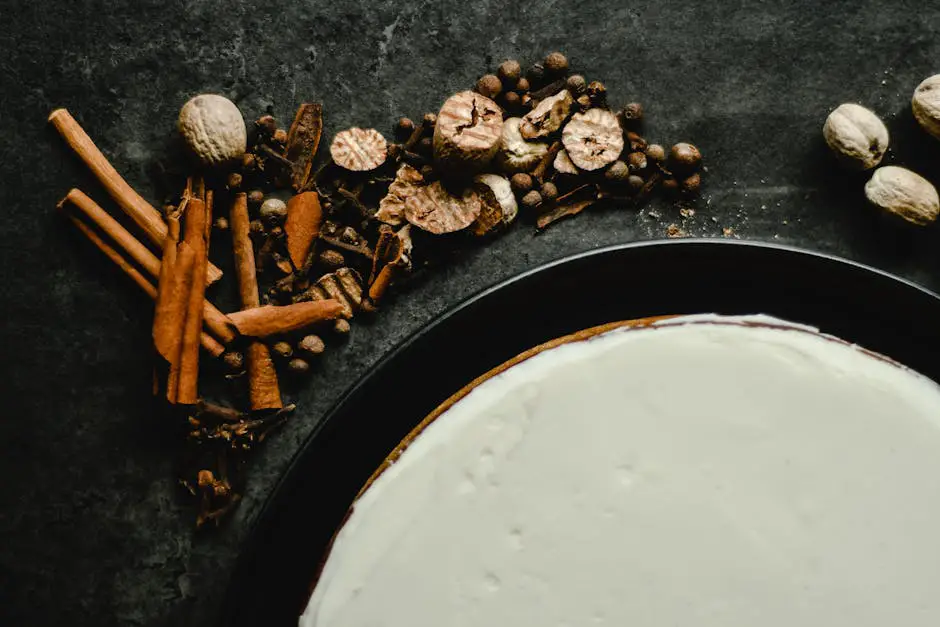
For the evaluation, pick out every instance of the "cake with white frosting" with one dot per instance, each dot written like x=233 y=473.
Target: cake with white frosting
x=707 y=471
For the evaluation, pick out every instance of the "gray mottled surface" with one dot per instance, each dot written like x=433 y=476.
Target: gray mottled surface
x=92 y=528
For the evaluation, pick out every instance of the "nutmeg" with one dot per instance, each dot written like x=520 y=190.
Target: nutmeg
x=926 y=105
x=903 y=193
x=857 y=137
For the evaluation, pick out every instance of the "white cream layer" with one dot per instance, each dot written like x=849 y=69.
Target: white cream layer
x=694 y=473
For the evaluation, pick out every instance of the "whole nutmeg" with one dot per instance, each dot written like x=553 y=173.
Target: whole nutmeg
x=655 y=153
x=273 y=209
x=213 y=129
x=684 y=158
x=903 y=193
x=256 y=227
x=556 y=64
x=856 y=136
x=509 y=72
x=926 y=105
x=618 y=171
x=531 y=200
x=549 y=191
x=576 y=84
x=520 y=183
x=403 y=128
x=489 y=85
x=670 y=185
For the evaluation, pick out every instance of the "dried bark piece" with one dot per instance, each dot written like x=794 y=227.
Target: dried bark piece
x=437 y=211
x=548 y=116
x=499 y=204
x=593 y=139
x=564 y=165
x=407 y=182
x=359 y=149
x=268 y=320
x=303 y=139
x=467 y=132
x=563 y=211
x=304 y=219
x=515 y=153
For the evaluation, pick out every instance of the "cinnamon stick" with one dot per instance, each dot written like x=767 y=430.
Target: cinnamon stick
x=180 y=286
x=382 y=282
x=166 y=313
x=263 y=389
x=270 y=320
x=216 y=322
x=195 y=237
x=139 y=210
x=209 y=343
x=304 y=218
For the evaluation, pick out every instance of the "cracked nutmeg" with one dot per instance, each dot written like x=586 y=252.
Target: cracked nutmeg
x=547 y=117
x=466 y=136
x=437 y=211
x=593 y=139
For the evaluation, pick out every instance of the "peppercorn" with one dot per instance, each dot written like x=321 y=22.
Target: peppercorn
x=267 y=125
x=556 y=64
x=404 y=128
x=656 y=153
x=532 y=200
x=332 y=259
x=234 y=361
x=536 y=74
x=635 y=182
x=311 y=344
x=637 y=143
x=597 y=92
x=221 y=223
x=576 y=84
x=280 y=136
x=521 y=183
x=298 y=366
x=430 y=119
x=255 y=197
x=234 y=180
x=489 y=85
x=684 y=158
x=522 y=85
x=282 y=349
x=341 y=326
x=636 y=161
x=511 y=99
x=633 y=113
x=549 y=191
x=691 y=184
x=617 y=172
x=509 y=72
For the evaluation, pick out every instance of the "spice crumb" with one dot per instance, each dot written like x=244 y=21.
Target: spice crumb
x=686 y=212
x=727 y=231
x=673 y=231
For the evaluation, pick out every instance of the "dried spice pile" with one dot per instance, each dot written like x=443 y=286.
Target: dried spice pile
x=316 y=245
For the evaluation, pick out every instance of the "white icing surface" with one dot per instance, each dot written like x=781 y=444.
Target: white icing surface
x=702 y=474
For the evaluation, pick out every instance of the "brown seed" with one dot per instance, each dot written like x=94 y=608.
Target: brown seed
x=341 y=326
x=489 y=86
x=636 y=161
x=280 y=136
x=298 y=366
x=256 y=227
x=684 y=158
x=549 y=191
x=273 y=210
x=670 y=184
x=358 y=149
x=691 y=184
x=467 y=133
x=576 y=84
x=282 y=349
x=277 y=232
x=637 y=143
x=255 y=197
x=556 y=64
x=521 y=183
x=618 y=171
x=234 y=361
x=656 y=153
x=312 y=345
x=509 y=72
x=597 y=92
x=404 y=128
x=221 y=223
x=249 y=162
x=526 y=101
x=593 y=139
x=267 y=125
x=429 y=122
x=635 y=182
x=536 y=74
x=532 y=200
x=584 y=102
x=633 y=113
x=349 y=236
x=522 y=85
x=332 y=259
x=233 y=181
x=511 y=100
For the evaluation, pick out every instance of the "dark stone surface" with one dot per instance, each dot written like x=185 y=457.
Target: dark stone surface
x=93 y=528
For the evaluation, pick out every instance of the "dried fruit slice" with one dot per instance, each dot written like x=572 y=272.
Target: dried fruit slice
x=406 y=184
x=548 y=116
x=437 y=211
x=359 y=149
x=593 y=139
x=467 y=131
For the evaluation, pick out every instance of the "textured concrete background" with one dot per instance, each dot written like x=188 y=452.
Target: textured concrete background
x=92 y=527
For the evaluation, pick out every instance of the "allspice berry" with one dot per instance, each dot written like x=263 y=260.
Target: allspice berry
x=489 y=85
x=597 y=92
x=633 y=113
x=298 y=366
x=521 y=183
x=857 y=137
x=266 y=125
x=536 y=74
x=511 y=100
x=656 y=153
x=576 y=84
x=636 y=183
x=234 y=361
x=691 y=184
x=522 y=85
x=509 y=72
x=531 y=200
x=556 y=64
x=233 y=181
x=311 y=345
x=617 y=172
x=549 y=191
x=684 y=158
x=636 y=161
x=282 y=349
x=403 y=128
x=255 y=197
x=280 y=136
